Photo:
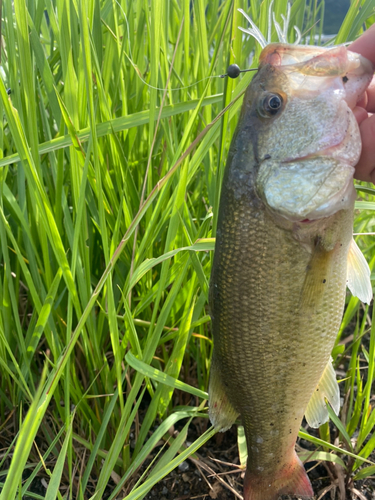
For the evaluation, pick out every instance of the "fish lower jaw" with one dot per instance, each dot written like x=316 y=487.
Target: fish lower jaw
x=342 y=200
x=305 y=190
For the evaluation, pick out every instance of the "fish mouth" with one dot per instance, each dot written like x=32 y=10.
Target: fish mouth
x=314 y=179
x=341 y=77
x=323 y=66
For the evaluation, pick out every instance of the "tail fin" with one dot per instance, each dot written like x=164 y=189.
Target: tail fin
x=290 y=480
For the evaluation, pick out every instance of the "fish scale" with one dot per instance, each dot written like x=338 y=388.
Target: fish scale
x=257 y=329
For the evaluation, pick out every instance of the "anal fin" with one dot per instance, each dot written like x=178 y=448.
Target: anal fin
x=316 y=412
x=359 y=282
x=221 y=412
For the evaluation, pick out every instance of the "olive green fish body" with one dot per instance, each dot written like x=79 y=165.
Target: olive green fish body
x=279 y=274
x=276 y=309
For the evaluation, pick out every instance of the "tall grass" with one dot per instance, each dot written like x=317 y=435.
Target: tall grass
x=112 y=144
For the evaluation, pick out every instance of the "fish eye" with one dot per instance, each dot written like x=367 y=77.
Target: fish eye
x=272 y=103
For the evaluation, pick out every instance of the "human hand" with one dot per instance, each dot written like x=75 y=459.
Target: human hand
x=365 y=168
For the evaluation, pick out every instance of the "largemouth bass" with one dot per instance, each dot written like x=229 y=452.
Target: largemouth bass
x=284 y=254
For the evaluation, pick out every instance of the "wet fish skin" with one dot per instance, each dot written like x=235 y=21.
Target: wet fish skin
x=278 y=281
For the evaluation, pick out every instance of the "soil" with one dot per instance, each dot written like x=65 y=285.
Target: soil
x=217 y=474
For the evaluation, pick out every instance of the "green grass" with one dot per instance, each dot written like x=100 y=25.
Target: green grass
x=109 y=194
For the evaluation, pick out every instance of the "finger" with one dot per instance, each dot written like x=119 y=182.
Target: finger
x=365 y=44
x=362 y=103
x=370 y=106
x=365 y=169
x=360 y=114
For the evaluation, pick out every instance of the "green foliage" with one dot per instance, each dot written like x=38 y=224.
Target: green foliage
x=109 y=193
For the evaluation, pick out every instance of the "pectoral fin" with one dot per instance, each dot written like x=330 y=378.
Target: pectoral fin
x=316 y=412
x=359 y=282
x=221 y=412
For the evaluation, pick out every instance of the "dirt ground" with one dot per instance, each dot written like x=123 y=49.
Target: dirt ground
x=217 y=475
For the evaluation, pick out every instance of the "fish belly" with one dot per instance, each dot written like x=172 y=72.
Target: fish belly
x=276 y=307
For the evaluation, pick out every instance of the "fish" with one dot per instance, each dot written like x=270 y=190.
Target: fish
x=284 y=255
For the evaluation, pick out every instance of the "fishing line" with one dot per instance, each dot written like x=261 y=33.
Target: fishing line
x=233 y=70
